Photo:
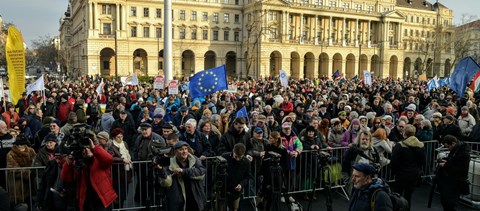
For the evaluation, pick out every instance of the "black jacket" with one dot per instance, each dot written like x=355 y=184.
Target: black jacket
x=361 y=198
x=238 y=173
x=45 y=197
x=395 y=135
x=232 y=137
x=451 y=129
x=407 y=159
x=198 y=143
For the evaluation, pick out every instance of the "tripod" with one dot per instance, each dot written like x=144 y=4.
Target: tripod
x=276 y=183
x=155 y=193
x=324 y=170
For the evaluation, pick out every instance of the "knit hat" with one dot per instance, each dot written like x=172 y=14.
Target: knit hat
x=103 y=135
x=367 y=169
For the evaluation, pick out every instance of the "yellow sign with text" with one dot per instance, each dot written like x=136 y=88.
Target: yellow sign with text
x=15 y=53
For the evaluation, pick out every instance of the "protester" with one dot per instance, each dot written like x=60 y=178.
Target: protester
x=238 y=175
x=122 y=164
x=21 y=155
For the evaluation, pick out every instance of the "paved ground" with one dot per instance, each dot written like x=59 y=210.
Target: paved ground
x=420 y=199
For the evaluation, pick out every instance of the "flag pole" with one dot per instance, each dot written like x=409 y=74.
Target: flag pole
x=43 y=91
x=3 y=95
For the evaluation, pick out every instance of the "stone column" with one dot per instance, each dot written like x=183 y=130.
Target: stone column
x=330 y=41
x=90 y=15
x=315 y=32
x=368 y=35
x=96 y=21
x=301 y=29
x=117 y=17
x=167 y=42
x=356 y=34
x=344 y=41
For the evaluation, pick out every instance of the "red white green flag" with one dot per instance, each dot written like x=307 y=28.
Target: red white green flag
x=475 y=86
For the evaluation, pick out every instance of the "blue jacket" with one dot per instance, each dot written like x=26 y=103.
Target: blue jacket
x=361 y=198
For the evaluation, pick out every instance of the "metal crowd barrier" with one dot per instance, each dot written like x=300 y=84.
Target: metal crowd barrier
x=298 y=180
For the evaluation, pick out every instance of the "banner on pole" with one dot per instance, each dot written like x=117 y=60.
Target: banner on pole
x=159 y=82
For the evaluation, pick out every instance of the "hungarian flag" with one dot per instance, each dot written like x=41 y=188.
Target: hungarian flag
x=475 y=86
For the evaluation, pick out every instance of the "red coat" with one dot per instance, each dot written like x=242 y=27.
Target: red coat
x=63 y=111
x=8 y=116
x=287 y=107
x=100 y=178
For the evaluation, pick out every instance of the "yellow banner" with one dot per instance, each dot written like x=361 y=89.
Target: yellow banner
x=15 y=53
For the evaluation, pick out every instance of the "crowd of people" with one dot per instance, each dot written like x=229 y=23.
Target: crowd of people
x=382 y=125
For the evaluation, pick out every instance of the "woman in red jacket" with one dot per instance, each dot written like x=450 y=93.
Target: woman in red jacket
x=11 y=117
x=93 y=179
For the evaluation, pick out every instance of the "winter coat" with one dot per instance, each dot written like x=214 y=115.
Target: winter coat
x=46 y=198
x=128 y=130
x=10 y=119
x=465 y=123
x=425 y=134
x=238 y=173
x=195 y=173
x=107 y=122
x=408 y=158
x=353 y=156
x=348 y=137
x=382 y=146
x=317 y=140
x=63 y=111
x=49 y=109
x=335 y=138
x=42 y=158
x=81 y=115
x=143 y=146
x=34 y=123
x=19 y=187
x=100 y=177
x=395 y=135
x=178 y=119
x=360 y=199
x=450 y=129
x=198 y=143
x=231 y=138
x=292 y=144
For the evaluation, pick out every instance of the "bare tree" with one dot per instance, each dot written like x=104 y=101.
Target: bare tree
x=44 y=49
x=463 y=39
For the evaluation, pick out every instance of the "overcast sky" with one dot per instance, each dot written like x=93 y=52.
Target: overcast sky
x=37 y=18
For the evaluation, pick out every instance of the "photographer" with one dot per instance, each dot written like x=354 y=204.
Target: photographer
x=92 y=178
x=50 y=195
x=184 y=180
x=452 y=173
x=238 y=171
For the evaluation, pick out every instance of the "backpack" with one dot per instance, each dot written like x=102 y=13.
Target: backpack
x=399 y=202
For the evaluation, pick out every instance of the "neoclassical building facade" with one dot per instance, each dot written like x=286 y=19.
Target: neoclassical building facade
x=306 y=38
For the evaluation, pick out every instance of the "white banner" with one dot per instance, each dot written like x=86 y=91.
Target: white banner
x=283 y=78
x=38 y=85
x=99 y=89
x=135 y=79
x=367 y=78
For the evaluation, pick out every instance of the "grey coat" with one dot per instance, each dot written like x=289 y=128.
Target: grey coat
x=175 y=185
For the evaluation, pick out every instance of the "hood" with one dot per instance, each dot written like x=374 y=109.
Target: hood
x=412 y=141
x=376 y=183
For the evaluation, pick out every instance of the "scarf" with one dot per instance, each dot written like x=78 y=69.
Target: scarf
x=125 y=154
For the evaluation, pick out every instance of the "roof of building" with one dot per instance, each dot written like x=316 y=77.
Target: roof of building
x=472 y=24
x=415 y=4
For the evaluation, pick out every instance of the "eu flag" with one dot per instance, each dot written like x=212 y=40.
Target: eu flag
x=208 y=81
x=463 y=73
x=242 y=113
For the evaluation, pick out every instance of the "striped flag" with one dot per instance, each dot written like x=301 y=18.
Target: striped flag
x=475 y=86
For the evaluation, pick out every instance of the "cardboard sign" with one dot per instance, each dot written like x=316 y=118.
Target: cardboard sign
x=173 y=87
x=232 y=88
x=159 y=82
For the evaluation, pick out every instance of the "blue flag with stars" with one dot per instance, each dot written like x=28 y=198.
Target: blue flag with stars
x=208 y=81
x=242 y=113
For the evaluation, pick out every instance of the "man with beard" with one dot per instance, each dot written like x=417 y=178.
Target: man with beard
x=361 y=151
x=235 y=134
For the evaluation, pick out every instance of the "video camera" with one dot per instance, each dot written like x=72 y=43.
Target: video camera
x=77 y=141
x=161 y=155
x=324 y=158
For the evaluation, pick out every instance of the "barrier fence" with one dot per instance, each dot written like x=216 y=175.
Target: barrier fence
x=136 y=188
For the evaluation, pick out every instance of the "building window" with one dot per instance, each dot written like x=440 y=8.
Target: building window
x=133 y=31
x=226 y=18
x=106 y=9
x=236 y=36
x=332 y=3
x=204 y=16
x=370 y=8
x=226 y=35
x=182 y=33
x=215 y=35
x=146 y=31
x=146 y=12
x=273 y=33
x=290 y=34
x=272 y=15
x=106 y=65
x=158 y=32
x=194 y=16
x=133 y=11
x=237 y=18
x=405 y=33
x=358 y=6
x=225 y=1
x=346 y=5
x=318 y=2
x=194 y=34
x=411 y=32
x=182 y=15
x=159 y=13
x=205 y=34
x=107 y=28
x=237 y=2
x=215 y=17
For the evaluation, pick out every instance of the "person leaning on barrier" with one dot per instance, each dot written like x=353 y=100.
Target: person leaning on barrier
x=408 y=158
x=122 y=164
x=362 y=151
x=452 y=173
x=369 y=193
x=184 y=180
x=238 y=171
x=93 y=180
x=21 y=155
x=51 y=191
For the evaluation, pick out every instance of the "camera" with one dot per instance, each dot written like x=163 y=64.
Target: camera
x=324 y=158
x=78 y=140
x=161 y=155
x=273 y=156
